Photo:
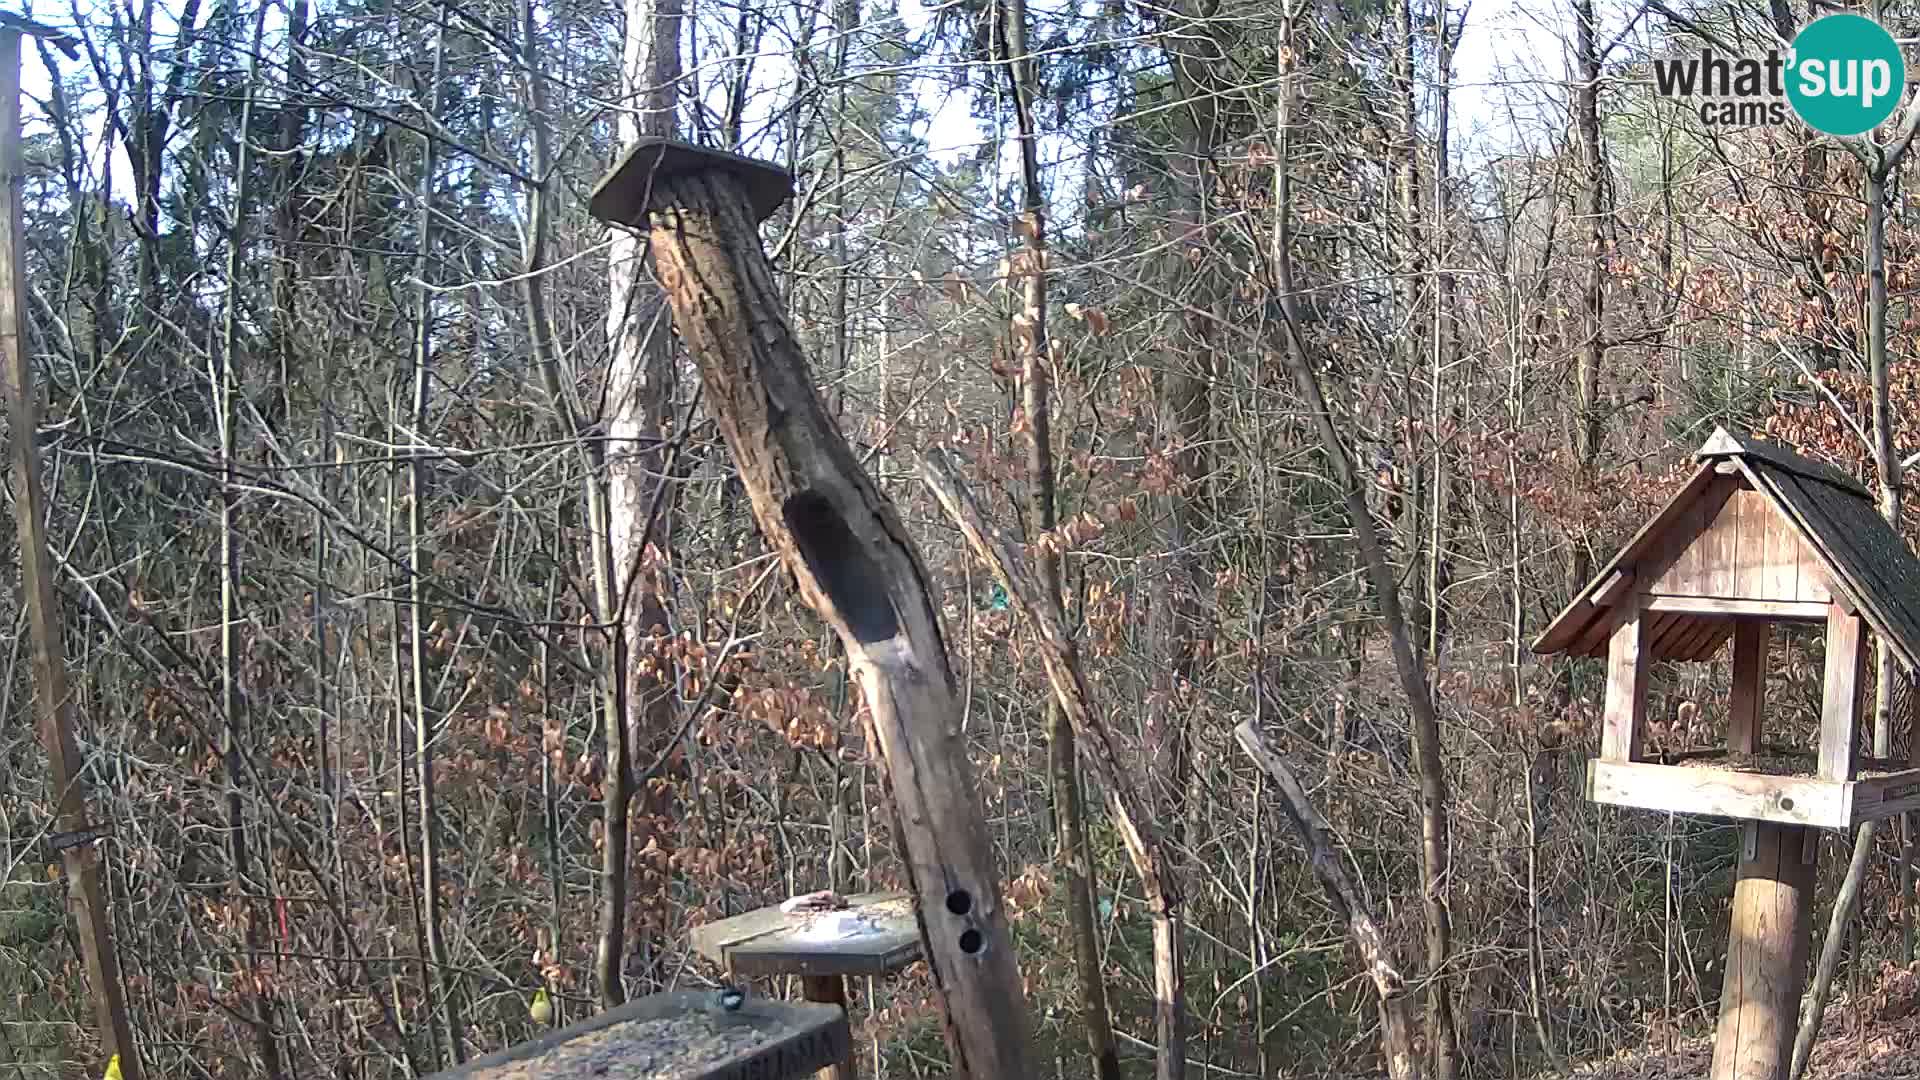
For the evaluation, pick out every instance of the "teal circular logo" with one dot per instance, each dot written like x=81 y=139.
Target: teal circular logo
x=1846 y=76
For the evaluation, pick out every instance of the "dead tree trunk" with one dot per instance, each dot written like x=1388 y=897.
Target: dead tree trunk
x=850 y=554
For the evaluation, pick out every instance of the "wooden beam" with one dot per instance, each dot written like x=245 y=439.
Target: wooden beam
x=1625 y=711
x=1840 y=694
x=1766 y=966
x=1680 y=789
x=1612 y=589
x=1808 y=610
x=1749 y=686
x=52 y=698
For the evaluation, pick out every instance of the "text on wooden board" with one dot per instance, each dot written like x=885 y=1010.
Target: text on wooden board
x=796 y=1058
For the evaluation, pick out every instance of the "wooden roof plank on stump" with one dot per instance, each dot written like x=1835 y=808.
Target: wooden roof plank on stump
x=1831 y=515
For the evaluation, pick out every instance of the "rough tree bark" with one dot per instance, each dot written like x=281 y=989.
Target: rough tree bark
x=851 y=557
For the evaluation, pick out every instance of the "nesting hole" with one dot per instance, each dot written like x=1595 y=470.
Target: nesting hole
x=972 y=941
x=841 y=565
x=959 y=901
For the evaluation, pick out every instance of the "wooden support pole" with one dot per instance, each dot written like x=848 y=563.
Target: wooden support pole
x=1840 y=695
x=1744 y=718
x=1624 y=713
x=53 y=703
x=1767 y=945
x=850 y=555
x=832 y=990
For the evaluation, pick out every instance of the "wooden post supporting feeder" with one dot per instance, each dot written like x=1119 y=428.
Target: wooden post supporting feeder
x=849 y=553
x=1758 y=535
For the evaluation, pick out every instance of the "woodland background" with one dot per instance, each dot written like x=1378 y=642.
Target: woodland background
x=332 y=356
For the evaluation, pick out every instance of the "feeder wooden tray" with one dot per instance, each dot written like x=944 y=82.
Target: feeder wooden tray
x=771 y=942
x=678 y=1036
x=1775 y=785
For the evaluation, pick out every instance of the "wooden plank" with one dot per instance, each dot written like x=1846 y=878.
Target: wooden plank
x=1614 y=587
x=1666 y=632
x=832 y=990
x=1767 y=944
x=1781 y=552
x=1683 y=556
x=1723 y=550
x=1719 y=633
x=1700 y=634
x=1756 y=580
x=1750 y=639
x=1593 y=640
x=1624 y=713
x=768 y=941
x=1877 y=797
x=1729 y=606
x=1840 y=694
x=1725 y=793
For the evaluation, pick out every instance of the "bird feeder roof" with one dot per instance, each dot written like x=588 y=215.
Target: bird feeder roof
x=1822 y=517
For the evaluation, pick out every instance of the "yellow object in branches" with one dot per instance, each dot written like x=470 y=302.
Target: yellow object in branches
x=541 y=1010
x=113 y=1069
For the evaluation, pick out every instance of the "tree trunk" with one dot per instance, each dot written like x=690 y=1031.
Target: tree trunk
x=1030 y=336
x=1588 y=417
x=1429 y=764
x=851 y=557
x=453 y=1026
x=233 y=704
x=640 y=400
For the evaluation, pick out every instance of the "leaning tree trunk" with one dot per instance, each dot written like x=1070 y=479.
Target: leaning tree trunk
x=851 y=557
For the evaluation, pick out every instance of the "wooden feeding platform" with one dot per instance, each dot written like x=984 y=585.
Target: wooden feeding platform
x=1758 y=535
x=1778 y=786
x=875 y=934
x=865 y=934
x=681 y=1035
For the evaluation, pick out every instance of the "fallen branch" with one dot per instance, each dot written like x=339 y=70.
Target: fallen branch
x=1396 y=1016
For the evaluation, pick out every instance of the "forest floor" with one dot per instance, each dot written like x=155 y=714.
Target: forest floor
x=1876 y=1037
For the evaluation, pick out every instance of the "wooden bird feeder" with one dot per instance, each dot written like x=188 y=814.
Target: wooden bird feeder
x=876 y=934
x=1758 y=536
x=678 y=1036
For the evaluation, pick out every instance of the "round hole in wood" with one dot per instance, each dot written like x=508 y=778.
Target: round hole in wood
x=1786 y=802
x=959 y=901
x=972 y=941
